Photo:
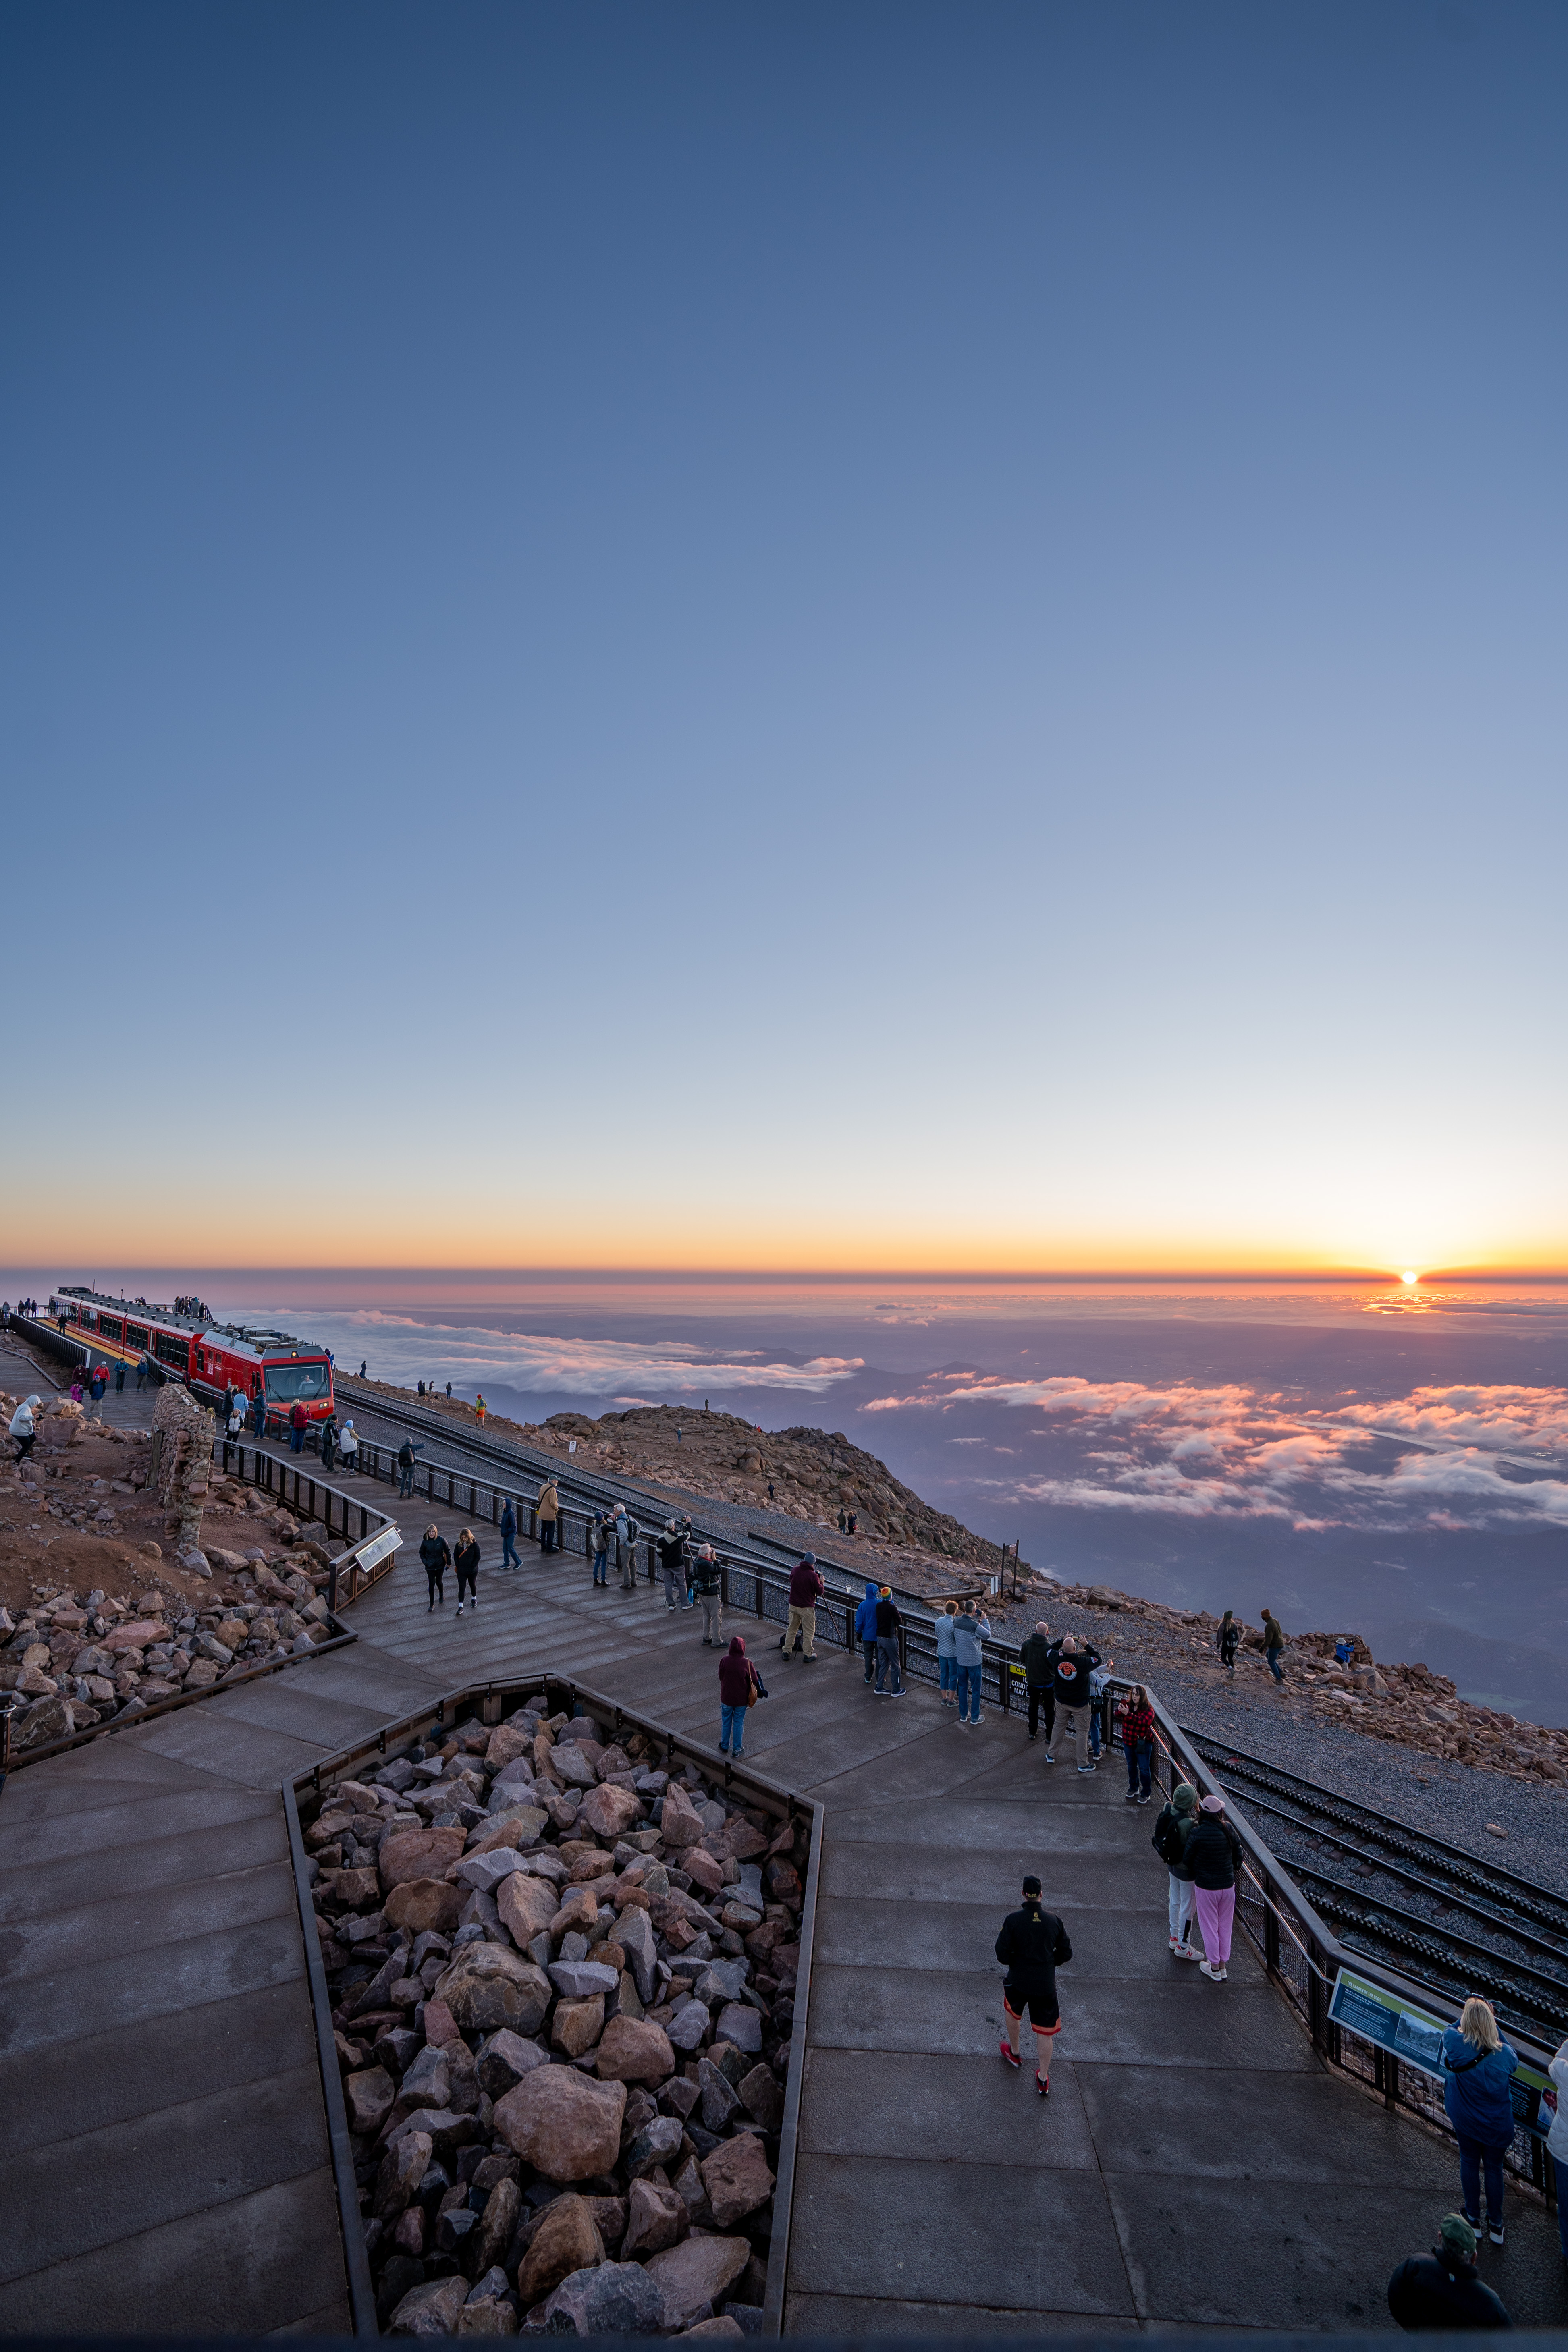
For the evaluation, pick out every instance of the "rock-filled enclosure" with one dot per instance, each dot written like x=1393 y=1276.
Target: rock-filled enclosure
x=562 y=1987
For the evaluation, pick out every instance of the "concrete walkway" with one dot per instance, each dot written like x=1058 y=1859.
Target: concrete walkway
x=167 y=2161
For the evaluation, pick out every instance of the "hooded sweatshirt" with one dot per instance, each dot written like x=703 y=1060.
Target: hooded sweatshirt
x=967 y=1629
x=805 y=1584
x=1474 y=2089
x=1073 y=1668
x=1036 y=1655
x=1032 y=1946
x=1171 y=1830
x=1212 y=1853
x=22 y=1426
x=866 y=1616
x=735 y=1674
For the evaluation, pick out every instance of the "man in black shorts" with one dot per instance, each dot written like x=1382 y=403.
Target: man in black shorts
x=1032 y=1946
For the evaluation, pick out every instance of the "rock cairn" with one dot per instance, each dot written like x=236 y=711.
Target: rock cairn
x=1409 y=1704
x=562 y=1988
x=182 y=1435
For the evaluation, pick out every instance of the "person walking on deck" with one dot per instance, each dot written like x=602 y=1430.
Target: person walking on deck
x=1478 y=2065
x=406 y=1468
x=1168 y=1841
x=1033 y=1944
x=1212 y=1854
x=548 y=1512
x=509 y=1557
x=438 y=1559
x=466 y=1559
x=737 y=1687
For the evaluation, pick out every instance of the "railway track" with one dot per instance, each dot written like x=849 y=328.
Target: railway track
x=1460 y=1922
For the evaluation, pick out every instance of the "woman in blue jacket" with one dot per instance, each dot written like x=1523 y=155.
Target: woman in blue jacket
x=865 y=1632
x=1477 y=2065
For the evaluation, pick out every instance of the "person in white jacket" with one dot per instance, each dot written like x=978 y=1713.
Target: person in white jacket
x=22 y=1428
x=1557 y=2141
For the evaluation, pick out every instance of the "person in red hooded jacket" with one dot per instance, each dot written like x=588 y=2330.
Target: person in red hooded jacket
x=737 y=1687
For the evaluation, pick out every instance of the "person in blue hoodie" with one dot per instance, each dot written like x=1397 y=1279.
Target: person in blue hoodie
x=1477 y=2065
x=865 y=1632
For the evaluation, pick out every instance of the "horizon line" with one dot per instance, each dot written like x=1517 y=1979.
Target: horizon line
x=989 y=1277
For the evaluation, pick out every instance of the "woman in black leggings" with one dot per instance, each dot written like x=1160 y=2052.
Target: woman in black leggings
x=467 y=1558
x=437 y=1558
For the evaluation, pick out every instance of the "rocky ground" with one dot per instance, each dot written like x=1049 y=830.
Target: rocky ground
x=562 y=1988
x=812 y=1474
x=97 y=1620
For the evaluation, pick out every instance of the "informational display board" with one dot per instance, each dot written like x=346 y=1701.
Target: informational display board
x=1378 y=2015
x=370 y=1554
x=1415 y=2034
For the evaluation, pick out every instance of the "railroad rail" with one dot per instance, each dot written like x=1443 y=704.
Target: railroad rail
x=1462 y=1923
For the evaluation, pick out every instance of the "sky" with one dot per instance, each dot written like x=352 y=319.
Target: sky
x=817 y=637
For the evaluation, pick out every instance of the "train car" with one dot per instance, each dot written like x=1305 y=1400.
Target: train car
x=213 y=1359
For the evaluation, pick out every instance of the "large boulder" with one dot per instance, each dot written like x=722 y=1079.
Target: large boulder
x=418 y=1853
x=608 y=1810
x=564 y=2124
x=630 y=2051
x=488 y=1987
x=565 y=2240
x=695 y=2275
x=615 y=2299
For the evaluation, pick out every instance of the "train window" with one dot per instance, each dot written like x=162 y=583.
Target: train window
x=300 y=1383
x=136 y=1335
x=109 y=1324
x=170 y=1349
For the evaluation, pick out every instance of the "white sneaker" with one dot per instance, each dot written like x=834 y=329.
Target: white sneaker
x=1213 y=1974
x=459 y=1608
x=1185 y=1952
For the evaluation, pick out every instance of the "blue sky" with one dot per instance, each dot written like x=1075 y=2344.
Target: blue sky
x=830 y=636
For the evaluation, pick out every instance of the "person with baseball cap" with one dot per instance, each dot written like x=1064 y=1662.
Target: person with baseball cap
x=1032 y=1946
x=1441 y=2289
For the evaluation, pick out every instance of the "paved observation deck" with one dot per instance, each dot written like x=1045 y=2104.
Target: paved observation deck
x=167 y=2159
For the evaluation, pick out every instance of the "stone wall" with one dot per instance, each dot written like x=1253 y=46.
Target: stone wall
x=182 y=1436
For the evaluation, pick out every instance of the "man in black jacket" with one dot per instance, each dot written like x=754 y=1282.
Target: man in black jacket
x=1039 y=1668
x=1032 y=1946
x=1441 y=2289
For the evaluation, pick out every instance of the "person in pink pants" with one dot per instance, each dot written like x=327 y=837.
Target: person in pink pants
x=1211 y=1858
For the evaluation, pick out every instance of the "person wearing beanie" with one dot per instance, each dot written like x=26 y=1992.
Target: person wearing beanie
x=1212 y=1854
x=1168 y=1841
x=887 y=1622
x=1033 y=1944
x=1441 y=2289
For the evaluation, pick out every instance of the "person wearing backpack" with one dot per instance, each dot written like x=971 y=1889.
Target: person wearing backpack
x=866 y=1630
x=1213 y=1854
x=406 y=1468
x=1033 y=1944
x=707 y=1583
x=1169 y=1842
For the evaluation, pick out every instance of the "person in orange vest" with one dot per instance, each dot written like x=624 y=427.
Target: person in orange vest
x=479 y=1403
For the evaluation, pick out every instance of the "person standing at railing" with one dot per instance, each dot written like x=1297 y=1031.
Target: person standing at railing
x=1213 y=1854
x=1097 y=1723
x=865 y=1632
x=348 y=1446
x=297 y=1418
x=626 y=1531
x=406 y=1468
x=236 y=1416
x=1039 y=1669
x=970 y=1629
x=548 y=1511
x=1170 y=1843
x=1138 y=1744
x=672 y=1561
x=1478 y=2065
x=258 y=1412
x=806 y=1589
x=1033 y=1944
x=328 y=1444
x=598 y=1543
x=509 y=1557
x=707 y=1580
x=1557 y=2140
x=1075 y=1661
x=946 y=1654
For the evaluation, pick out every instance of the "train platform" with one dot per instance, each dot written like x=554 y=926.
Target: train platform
x=1194 y=2166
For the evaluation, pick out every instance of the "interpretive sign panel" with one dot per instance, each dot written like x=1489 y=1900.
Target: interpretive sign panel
x=1381 y=2016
